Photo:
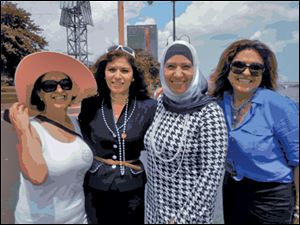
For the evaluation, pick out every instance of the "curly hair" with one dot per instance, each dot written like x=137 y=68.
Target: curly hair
x=218 y=79
x=150 y=67
x=137 y=88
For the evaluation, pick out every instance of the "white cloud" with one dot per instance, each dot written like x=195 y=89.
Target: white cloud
x=103 y=12
x=201 y=21
x=242 y=19
x=217 y=17
x=147 y=21
x=133 y=8
x=100 y=36
x=269 y=36
x=256 y=35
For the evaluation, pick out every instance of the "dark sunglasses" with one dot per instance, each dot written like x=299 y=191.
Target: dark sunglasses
x=256 y=69
x=128 y=50
x=51 y=85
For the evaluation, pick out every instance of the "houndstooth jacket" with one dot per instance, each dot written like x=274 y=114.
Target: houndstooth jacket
x=186 y=156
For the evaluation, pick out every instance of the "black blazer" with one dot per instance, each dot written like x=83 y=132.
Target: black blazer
x=104 y=177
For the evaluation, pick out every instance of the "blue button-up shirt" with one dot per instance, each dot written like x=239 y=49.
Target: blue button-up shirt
x=265 y=146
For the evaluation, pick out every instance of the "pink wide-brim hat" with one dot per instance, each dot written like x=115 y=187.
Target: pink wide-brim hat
x=37 y=64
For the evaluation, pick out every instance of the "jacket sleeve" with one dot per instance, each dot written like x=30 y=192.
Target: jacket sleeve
x=200 y=203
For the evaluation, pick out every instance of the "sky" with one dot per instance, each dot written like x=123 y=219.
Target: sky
x=211 y=26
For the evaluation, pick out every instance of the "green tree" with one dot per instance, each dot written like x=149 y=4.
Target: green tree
x=150 y=68
x=19 y=37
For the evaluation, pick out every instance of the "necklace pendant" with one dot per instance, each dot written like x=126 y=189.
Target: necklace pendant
x=124 y=135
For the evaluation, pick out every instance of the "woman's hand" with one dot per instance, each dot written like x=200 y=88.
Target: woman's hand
x=158 y=92
x=172 y=221
x=18 y=114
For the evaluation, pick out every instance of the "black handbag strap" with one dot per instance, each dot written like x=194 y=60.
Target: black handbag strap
x=46 y=119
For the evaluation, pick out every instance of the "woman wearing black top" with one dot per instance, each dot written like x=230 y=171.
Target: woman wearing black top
x=114 y=124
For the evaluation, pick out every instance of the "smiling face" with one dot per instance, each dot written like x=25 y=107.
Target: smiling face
x=59 y=96
x=178 y=72
x=245 y=83
x=119 y=75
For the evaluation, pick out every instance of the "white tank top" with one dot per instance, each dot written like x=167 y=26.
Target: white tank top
x=60 y=199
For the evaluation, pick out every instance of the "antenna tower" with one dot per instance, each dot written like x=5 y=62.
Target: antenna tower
x=75 y=16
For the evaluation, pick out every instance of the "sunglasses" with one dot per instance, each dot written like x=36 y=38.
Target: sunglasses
x=51 y=85
x=128 y=50
x=256 y=69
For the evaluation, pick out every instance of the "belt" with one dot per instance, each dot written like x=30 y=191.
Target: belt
x=119 y=163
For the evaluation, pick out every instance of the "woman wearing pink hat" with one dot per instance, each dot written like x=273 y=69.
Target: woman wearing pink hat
x=52 y=156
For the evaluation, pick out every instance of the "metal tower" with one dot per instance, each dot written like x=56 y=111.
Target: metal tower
x=75 y=16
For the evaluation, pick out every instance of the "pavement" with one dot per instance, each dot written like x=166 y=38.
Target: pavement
x=9 y=173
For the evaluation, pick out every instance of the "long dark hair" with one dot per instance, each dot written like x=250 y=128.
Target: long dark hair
x=218 y=79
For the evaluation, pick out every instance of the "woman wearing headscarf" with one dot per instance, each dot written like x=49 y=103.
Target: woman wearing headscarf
x=186 y=144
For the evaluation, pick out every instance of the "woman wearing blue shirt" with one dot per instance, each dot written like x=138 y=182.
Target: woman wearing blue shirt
x=263 y=128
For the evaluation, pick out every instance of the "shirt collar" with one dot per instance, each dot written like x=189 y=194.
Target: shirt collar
x=258 y=96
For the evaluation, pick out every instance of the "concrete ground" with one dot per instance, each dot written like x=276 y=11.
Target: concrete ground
x=9 y=172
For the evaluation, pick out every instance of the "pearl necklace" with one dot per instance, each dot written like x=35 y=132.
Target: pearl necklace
x=121 y=143
x=156 y=153
x=181 y=146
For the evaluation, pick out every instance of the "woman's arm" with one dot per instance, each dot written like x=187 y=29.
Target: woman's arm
x=286 y=131
x=31 y=160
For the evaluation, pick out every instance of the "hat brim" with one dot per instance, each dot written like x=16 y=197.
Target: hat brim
x=36 y=64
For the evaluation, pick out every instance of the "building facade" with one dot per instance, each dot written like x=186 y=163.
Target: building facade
x=143 y=37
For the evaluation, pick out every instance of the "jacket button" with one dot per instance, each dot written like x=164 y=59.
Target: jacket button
x=114 y=157
x=113 y=166
x=115 y=146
